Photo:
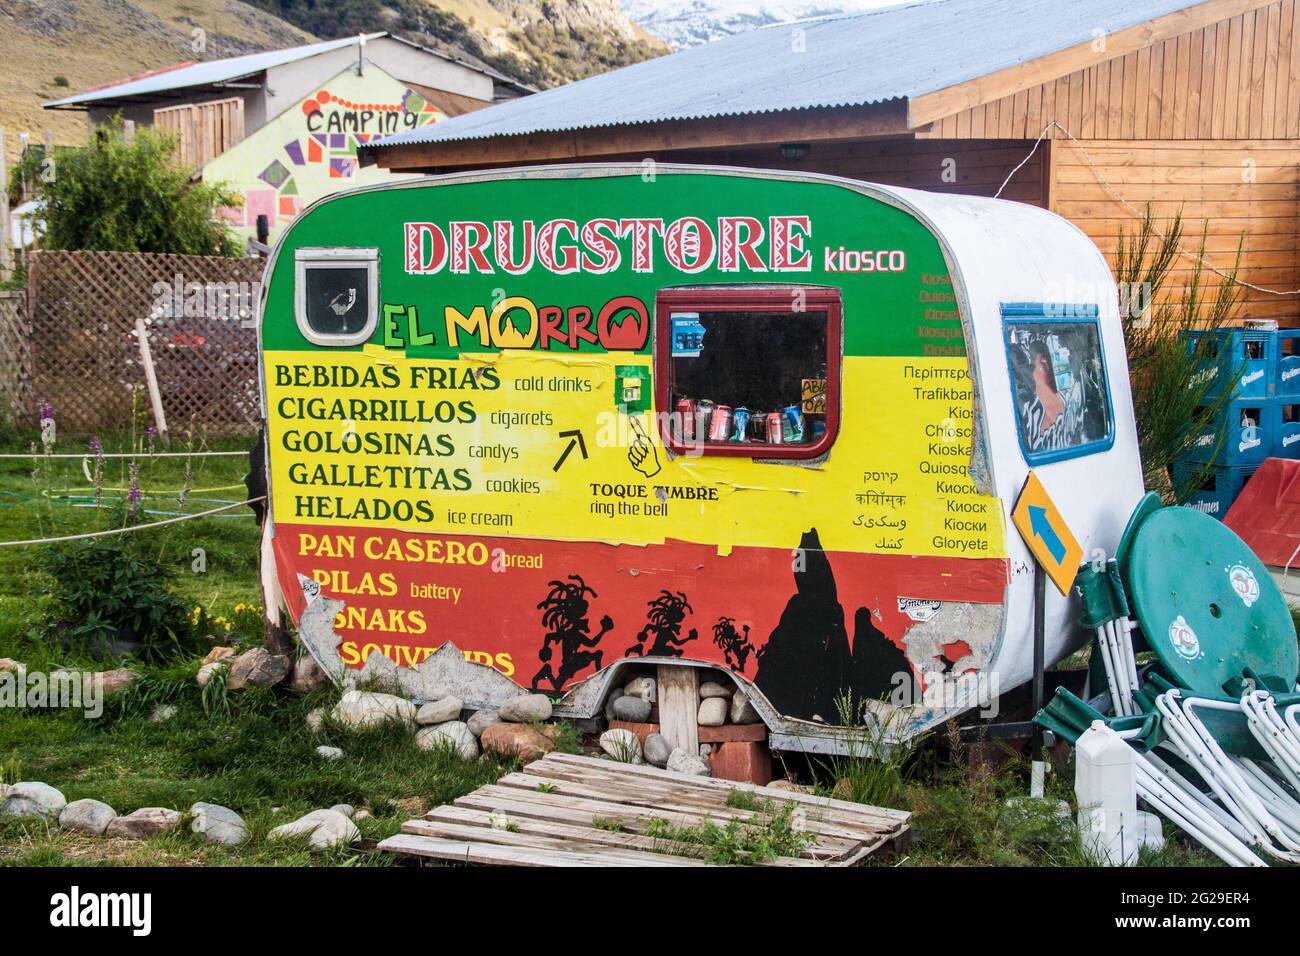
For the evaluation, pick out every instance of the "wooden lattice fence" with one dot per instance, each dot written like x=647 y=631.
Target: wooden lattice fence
x=84 y=355
x=15 y=356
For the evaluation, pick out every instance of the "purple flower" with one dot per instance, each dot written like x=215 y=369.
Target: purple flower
x=151 y=431
x=47 y=410
x=133 y=490
x=96 y=447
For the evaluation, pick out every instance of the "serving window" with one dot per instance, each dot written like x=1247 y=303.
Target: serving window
x=749 y=372
x=336 y=297
x=1058 y=381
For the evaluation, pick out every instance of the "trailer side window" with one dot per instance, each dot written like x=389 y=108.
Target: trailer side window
x=1058 y=381
x=336 y=297
x=750 y=372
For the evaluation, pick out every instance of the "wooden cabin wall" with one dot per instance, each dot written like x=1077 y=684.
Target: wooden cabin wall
x=970 y=167
x=1236 y=190
x=1235 y=79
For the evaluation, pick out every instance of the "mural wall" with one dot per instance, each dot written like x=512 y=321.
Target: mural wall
x=310 y=150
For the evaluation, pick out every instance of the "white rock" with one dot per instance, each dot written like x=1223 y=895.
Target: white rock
x=526 y=708
x=454 y=733
x=713 y=712
x=683 y=761
x=144 y=823
x=632 y=709
x=643 y=687
x=316 y=719
x=364 y=710
x=326 y=829
x=360 y=815
x=208 y=671
x=622 y=745
x=439 y=711
x=481 y=720
x=657 y=749
x=162 y=713
x=87 y=816
x=711 y=688
x=742 y=711
x=218 y=824
x=706 y=750
x=329 y=753
x=33 y=799
x=346 y=809
x=9 y=664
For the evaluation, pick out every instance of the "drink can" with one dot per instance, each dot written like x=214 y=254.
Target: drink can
x=739 y=423
x=774 y=429
x=792 y=423
x=684 y=419
x=720 y=424
x=703 y=416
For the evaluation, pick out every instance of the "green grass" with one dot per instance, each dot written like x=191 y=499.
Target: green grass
x=47 y=505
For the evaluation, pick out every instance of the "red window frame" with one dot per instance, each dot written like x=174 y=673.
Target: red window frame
x=764 y=299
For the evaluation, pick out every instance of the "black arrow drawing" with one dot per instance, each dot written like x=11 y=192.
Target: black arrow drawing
x=575 y=438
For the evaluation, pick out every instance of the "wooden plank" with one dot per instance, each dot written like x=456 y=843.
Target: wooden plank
x=679 y=706
x=1194 y=61
x=1245 y=74
x=828 y=824
x=1221 y=91
x=1283 y=69
x=1115 y=99
x=572 y=804
x=901 y=816
x=1156 y=90
x=1232 y=93
x=489 y=854
x=579 y=843
x=695 y=790
x=1142 y=93
x=437 y=825
x=1206 y=92
x=1273 y=37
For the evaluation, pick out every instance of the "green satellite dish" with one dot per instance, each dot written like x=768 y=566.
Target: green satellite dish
x=1207 y=605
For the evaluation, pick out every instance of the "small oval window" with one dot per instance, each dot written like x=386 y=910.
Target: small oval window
x=337 y=294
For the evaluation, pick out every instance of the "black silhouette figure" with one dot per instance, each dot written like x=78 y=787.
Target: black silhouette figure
x=808 y=659
x=735 y=647
x=664 y=624
x=564 y=615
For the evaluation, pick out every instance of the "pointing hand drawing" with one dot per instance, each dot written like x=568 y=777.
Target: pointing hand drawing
x=641 y=452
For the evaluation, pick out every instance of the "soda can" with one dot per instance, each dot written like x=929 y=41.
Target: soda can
x=774 y=436
x=792 y=423
x=684 y=419
x=739 y=423
x=720 y=424
x=703 y=416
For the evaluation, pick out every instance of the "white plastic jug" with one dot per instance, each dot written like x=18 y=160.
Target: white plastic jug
x=1105 y=783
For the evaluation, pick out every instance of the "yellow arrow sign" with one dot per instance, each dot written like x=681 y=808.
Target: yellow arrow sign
x=1048 y=536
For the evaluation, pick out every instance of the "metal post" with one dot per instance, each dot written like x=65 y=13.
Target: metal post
x=1038 y=768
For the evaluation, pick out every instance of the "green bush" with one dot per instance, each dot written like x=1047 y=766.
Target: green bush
x=109 y=594
x=117 y=196
x=1171 y=401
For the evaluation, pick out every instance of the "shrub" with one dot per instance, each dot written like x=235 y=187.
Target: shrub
x=132 y=197
x=1171 y=400
x=112 y=596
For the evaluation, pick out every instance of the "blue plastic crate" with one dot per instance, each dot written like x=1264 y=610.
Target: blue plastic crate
x=1284 y=427
x=1251 y=352
x=1247 y=425
x=1216 y=491
x=1286 y=369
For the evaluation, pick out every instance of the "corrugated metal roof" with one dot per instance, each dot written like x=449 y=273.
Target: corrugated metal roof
x=845 y=60
x=205 y=74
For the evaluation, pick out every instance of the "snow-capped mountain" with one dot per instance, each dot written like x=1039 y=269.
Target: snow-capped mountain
x=682 y=23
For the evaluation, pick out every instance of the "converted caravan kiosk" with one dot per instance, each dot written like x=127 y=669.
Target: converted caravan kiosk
x=539 y=425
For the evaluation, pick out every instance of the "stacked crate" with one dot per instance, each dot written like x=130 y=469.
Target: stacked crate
x=1261 y=419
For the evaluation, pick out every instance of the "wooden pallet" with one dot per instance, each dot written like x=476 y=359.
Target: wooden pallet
x=548 y=815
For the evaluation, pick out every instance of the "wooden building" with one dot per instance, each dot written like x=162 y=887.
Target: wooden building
x=1191 y=106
